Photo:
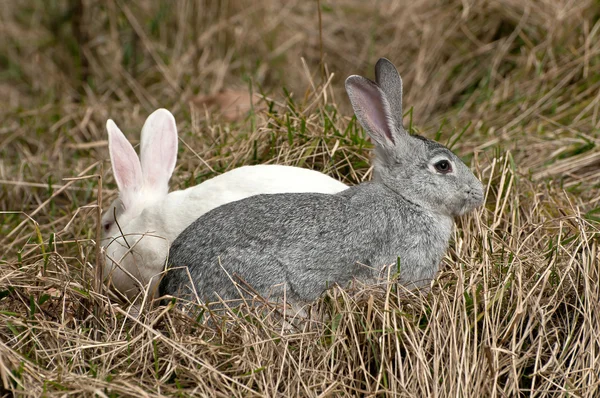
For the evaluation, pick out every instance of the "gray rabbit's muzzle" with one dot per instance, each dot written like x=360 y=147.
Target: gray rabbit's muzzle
x=474 y=198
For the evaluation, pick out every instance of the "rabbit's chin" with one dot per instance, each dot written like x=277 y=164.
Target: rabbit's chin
x=467 y=208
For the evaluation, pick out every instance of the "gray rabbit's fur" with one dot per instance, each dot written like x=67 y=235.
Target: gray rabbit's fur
x=297 y=245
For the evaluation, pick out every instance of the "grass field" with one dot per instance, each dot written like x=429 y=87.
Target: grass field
x=513 y=86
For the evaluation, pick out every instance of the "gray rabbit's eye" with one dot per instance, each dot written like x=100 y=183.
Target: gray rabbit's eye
x=443 y=166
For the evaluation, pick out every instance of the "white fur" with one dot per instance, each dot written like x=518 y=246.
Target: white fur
x=150 y=219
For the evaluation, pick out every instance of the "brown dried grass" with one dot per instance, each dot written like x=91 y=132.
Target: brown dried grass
x=513 y=311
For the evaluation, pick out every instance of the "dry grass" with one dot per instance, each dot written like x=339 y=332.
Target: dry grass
x=514 y=310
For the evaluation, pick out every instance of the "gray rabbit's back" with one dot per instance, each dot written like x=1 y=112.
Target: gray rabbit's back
x=258 y=240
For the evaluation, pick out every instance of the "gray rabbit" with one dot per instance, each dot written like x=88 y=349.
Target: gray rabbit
x=298 y=244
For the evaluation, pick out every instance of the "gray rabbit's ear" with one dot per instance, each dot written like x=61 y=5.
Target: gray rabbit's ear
x=373 y=111
x=388 y=78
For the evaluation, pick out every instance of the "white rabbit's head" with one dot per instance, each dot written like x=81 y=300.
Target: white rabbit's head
x=142 y=182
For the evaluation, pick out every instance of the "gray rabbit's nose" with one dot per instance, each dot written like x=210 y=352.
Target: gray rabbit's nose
x=475 y=194
x=477 y=197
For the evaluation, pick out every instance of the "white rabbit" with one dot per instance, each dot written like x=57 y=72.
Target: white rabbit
x=148 y=218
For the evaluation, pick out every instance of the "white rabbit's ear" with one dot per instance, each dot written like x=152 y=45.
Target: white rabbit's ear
x=125 y=163
x=372 y=110
x=388 y=78
x=158 y=151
